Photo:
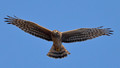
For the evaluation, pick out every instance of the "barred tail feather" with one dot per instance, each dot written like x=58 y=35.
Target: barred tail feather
x=58 y=54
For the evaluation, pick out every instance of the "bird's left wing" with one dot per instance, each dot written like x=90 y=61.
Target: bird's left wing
x=83 y=34
x=30 y=27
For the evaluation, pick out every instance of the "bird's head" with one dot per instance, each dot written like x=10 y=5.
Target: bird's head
x=56 y=33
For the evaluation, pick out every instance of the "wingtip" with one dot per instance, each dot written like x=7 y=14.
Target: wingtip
x=8 y=16
x=8 y=19
x=108 y=31
x=100 y=27
x=9 y=23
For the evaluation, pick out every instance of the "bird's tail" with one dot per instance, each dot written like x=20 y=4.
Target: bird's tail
x=55 y=53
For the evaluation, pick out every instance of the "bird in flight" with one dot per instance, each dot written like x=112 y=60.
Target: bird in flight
x=58 y=50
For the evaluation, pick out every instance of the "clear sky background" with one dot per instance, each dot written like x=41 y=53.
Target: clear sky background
x=21 y=50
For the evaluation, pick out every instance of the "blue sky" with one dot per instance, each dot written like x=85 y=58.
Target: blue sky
x=21 y=50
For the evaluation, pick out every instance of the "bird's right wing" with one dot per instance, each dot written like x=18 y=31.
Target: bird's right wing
x=30 y=27
x=83 y=34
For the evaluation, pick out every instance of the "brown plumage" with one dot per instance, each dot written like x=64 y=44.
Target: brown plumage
x=58 y=50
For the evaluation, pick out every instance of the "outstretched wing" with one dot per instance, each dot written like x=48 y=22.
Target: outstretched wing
x=30 y=27
x=83 y=34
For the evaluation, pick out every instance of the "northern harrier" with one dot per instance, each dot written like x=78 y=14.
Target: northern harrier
x=58 y=50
